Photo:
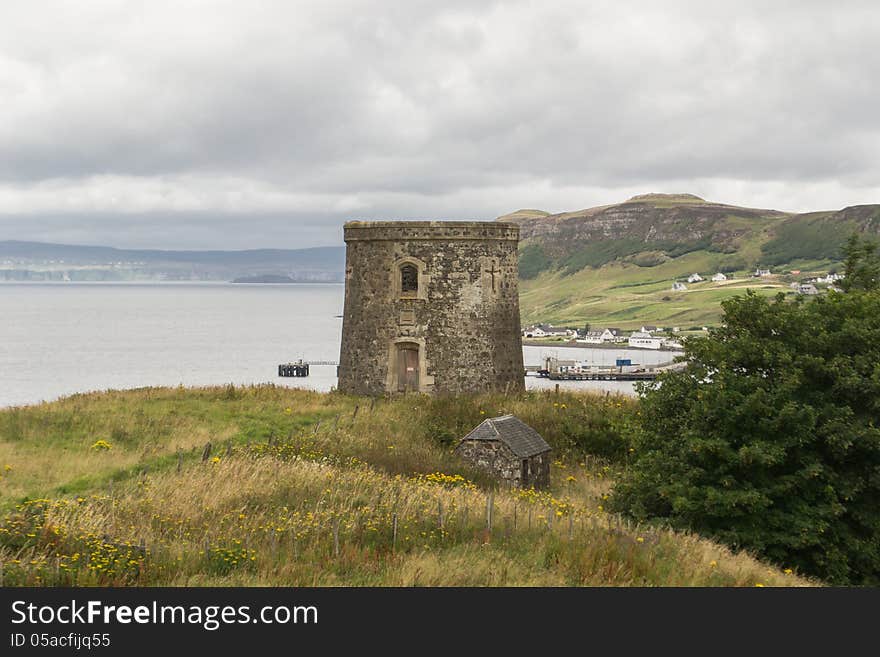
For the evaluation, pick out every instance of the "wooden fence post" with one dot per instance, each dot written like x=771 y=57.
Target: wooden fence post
x=206 y=454
x=179 y=460
x=393 y=532
x=317 y=426
x=372 y=404
x=355 y=414
x=489 y=506
x=514 y=516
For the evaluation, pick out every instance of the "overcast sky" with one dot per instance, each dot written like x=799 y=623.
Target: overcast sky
x=195 y=124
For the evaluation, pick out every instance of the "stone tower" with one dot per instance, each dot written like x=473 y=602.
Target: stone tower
x=431 y=306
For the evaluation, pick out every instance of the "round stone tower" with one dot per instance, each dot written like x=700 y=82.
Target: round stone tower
x=431 y=306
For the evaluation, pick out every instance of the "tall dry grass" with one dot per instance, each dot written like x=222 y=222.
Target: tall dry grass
x=302 y=489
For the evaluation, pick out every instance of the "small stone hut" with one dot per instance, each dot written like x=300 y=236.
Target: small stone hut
x=510 y=450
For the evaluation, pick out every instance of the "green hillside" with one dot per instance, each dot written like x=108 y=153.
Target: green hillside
x=615 y=265
x=302 y=489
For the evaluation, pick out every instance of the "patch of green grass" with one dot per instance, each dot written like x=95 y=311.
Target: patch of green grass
x=532 y=261
x=817 y=239
x=317 y=505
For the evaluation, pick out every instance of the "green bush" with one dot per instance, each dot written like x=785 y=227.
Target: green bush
x=769 y=440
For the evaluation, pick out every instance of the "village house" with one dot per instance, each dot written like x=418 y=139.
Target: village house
x=830 y=278
x=717 y=278
x=613 y=335
x=694 y=278
x=642 y=340
x=591 y=337
x=679 y=287
x=546 y=331
x=652 y=329
x=509 y=450
x=808 y=289
x=761 y=273
x=669 y=343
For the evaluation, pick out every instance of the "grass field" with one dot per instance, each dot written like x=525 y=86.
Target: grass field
x=627 y=296
x=302 y=488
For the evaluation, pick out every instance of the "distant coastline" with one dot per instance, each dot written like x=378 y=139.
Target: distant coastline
x=273 y=279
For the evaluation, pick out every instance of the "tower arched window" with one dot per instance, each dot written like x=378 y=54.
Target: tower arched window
x=409 y=279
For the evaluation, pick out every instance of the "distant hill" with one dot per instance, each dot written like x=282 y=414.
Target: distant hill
x=274 y=279
x=37 y=261
x=616 y=263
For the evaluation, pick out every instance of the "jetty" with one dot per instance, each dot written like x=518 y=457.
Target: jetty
x=300 y=368
x=624 y=370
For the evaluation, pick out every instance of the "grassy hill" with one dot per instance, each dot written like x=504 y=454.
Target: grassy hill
x=615 y=264
x=301 y=488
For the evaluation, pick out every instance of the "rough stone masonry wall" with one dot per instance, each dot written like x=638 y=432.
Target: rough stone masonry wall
x=496 y=458
x=493 y=457
x=468 y=330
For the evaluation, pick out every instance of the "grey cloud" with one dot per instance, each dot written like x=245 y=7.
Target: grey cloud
x=455 y=109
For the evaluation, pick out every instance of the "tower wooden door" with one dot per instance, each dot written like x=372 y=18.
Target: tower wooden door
x=408 y=368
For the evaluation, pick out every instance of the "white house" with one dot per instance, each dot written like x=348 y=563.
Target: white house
x=555 y=331
x=592 y=337
x=651 y=329
x=679 y=287
x=545 y=331
x=694 y=278
x=760 y=273
x=808 y=289
x=830 y=278
x=669 y=343
x=719 y=277
x=612 y=335
x=642 y=340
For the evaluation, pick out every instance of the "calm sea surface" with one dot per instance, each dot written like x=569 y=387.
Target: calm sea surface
x=62 y=338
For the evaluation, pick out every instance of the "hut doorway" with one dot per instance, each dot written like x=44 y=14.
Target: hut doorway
x=407 y=367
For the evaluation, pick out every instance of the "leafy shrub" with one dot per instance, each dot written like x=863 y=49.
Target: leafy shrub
x=769 y=439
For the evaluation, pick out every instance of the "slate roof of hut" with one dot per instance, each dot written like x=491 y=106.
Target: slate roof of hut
x=522 y=440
